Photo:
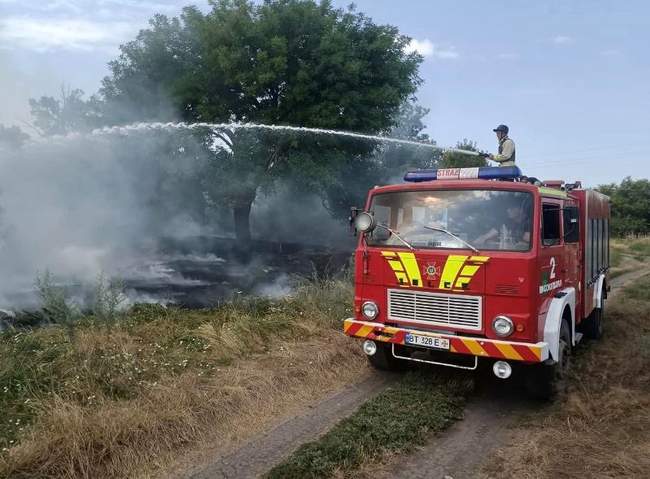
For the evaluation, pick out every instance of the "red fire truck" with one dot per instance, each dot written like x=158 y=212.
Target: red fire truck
x=459 y=267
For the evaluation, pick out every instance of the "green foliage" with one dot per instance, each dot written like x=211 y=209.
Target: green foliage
x=285 y=62
x=68 y=113
x=107 y=299
x=638 y=290
x=56 y=308
x=630 y=201
x=458 y=160
x=394 y=421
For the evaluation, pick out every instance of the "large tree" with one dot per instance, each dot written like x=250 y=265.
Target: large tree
x=282 y=62
x=67 y=113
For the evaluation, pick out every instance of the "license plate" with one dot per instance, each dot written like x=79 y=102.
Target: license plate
x=427 y=341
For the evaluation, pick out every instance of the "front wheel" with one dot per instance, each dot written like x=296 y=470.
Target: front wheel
x=547 y=381
x=384 y=360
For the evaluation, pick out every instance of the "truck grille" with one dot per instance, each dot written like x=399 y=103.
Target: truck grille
x=441 y=309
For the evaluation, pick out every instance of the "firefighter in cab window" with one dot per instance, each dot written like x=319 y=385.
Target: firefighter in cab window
x=506 y=155
x=509 y=230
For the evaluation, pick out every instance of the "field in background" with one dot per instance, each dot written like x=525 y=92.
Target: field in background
x=600 y=429
x=117 y=399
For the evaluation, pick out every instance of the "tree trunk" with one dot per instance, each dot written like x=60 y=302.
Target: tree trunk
x=241 y=215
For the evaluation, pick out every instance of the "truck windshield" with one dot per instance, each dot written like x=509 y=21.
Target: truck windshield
x=486 y=219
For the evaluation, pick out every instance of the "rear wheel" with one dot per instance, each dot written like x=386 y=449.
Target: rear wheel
x=384 y=360
x=592 y=327
x=547 y=381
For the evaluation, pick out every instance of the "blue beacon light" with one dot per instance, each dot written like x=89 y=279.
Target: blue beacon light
x=481 y=173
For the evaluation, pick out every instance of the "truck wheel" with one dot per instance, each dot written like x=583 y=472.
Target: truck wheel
x=547 y=381
x=384 y=360
x=592 y=327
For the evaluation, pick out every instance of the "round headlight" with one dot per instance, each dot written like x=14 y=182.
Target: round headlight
x=503 y=326
x=364 y=222
x=502 y=369
x=369 y=310
x=369 y=347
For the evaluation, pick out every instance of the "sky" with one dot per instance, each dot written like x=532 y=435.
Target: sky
x=570 y=79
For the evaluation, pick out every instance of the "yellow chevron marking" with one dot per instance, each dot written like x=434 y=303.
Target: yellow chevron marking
x=537 y=352
x=402 y=279
x=396 y=265
x=390 y=330
x=462 y=281
x=388 y=253
x=508 y=351
x=480 y=259
x=474 y=347
x=451 y=269
x=469 y=270
x=364 y=331
x=412 y=268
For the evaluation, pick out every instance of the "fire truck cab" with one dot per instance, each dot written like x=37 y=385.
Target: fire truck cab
x=456 y=267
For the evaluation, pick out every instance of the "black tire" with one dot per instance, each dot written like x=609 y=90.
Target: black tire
x=545 y=381
x=592 y=326
x=384 y=360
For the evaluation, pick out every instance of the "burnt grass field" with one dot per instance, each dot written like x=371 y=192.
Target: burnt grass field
x=200 y=272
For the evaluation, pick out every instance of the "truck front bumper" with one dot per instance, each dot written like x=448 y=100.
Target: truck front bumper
x=480 y=347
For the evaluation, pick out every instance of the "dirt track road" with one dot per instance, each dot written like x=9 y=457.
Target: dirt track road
x=261 y=453
x=457 y=453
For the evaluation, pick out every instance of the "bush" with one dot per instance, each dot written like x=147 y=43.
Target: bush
x=56 y=308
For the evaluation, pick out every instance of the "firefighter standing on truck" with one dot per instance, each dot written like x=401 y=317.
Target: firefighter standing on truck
x=506 y=155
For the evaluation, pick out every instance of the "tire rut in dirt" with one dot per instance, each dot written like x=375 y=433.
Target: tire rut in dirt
x=260 y=454
x=461 y=449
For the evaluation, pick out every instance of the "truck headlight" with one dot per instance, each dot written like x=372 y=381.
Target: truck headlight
x=502 y=326
x=370 y=310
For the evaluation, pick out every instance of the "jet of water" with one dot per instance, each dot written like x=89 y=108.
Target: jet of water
x=144 y=126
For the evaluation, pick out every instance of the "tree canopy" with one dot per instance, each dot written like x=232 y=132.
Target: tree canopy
x=70 y=112
x=283 y=62
x=452 y=159
x=630 y=206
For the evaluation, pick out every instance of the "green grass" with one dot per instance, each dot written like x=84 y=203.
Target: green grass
x=639 y=290
x=615 y=256
x=640 y=249
x=147 y=344
x=395 y=421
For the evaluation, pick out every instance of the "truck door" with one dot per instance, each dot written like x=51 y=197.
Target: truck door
x=573 y=255
x=552 y=258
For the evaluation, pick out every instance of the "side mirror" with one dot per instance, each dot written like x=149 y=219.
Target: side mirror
x=364 y=222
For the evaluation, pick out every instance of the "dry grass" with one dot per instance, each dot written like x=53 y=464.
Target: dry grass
x=128 y=401
x=601 y=428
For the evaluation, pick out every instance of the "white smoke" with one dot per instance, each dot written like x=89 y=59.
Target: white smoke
x=80 y=206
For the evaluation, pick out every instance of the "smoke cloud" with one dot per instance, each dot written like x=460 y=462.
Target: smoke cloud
x=109 y=204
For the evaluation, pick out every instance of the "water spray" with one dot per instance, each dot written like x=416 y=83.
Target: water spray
x=144 y=126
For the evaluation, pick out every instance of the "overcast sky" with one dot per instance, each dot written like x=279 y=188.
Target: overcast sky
x=571 y=79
